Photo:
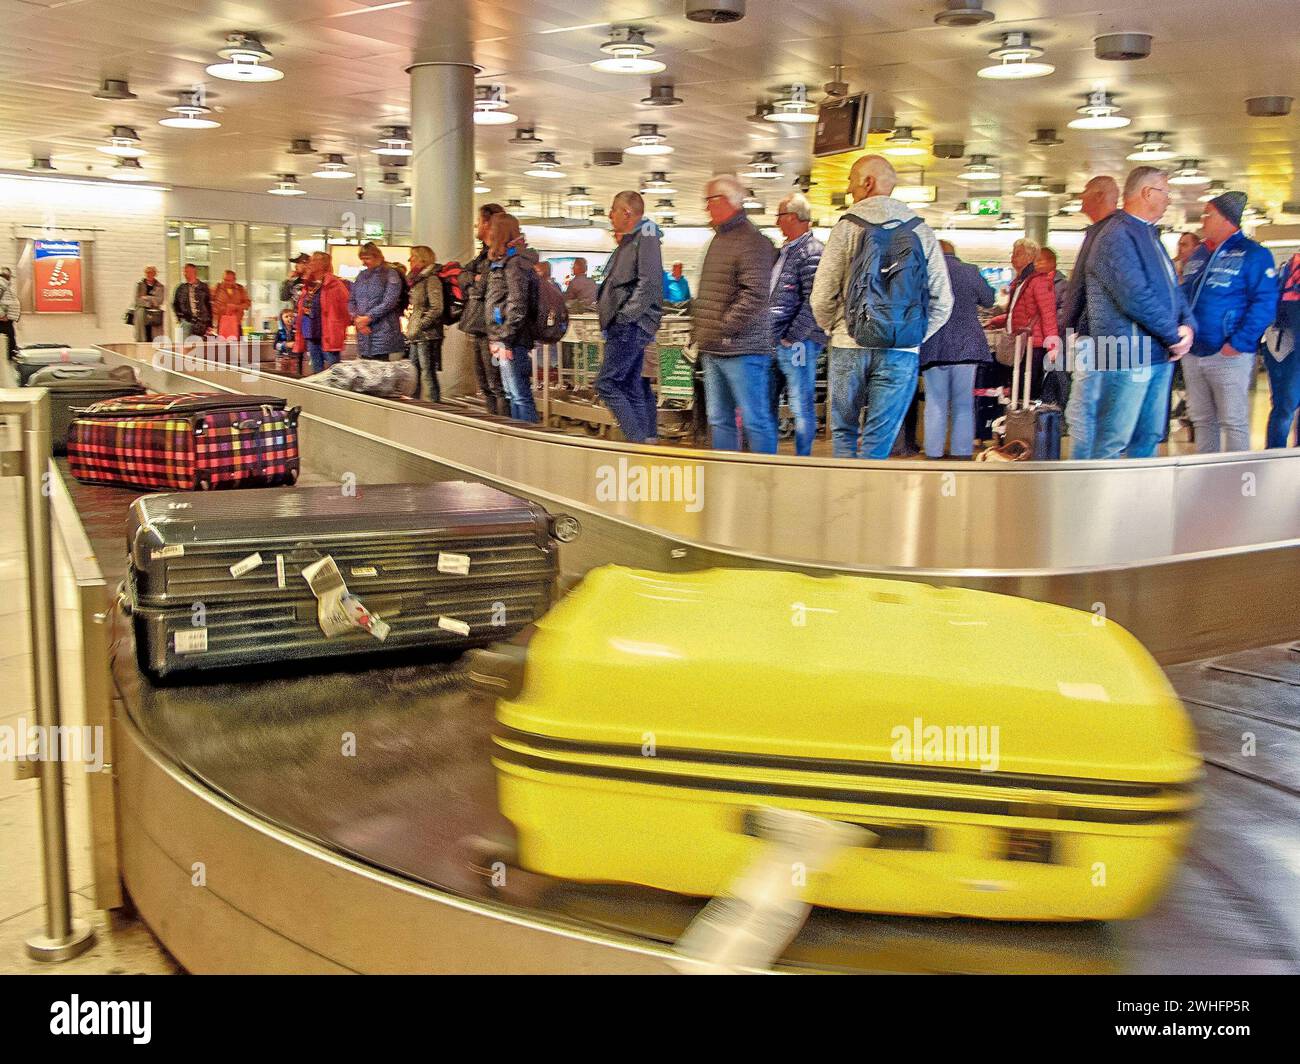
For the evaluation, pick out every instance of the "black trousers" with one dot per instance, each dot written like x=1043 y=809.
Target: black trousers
x=488 y=375
x=7 y=329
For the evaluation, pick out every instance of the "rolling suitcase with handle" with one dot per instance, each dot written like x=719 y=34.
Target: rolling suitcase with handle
x=186 y=442
x=288 y=574
x=1033 y=429
x=73 y=387
x=35 y=357
x=649 y=714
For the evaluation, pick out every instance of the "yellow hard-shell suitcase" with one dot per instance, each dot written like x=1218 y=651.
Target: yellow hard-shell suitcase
x=1014 y=760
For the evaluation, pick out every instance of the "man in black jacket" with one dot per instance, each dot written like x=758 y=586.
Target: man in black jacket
x=192 y=304
x=732 y=322
x=473 y=319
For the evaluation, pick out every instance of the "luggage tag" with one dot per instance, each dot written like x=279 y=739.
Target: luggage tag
x=338 y=611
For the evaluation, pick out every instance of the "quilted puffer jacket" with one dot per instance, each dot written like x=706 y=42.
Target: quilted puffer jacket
x=792 y=316
x=730 y=314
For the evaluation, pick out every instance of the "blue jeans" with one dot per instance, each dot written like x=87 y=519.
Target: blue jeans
x=1284 y=385
x=1132 y=408
x=516 y=378
x=619 y=382
x=321 y=360
x=1081 y=413
x=732 y=381
x=950 y=401
x=796 y=368
x=882 y=380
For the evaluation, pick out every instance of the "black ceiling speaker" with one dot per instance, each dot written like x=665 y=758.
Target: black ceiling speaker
x=525 y=135
x=114 y=89
x=1122 y=46
x=715 y=11
x=1268 y=106
x=661 y=96
x=964 y=13
x=1046 y=138
x=949 y=149
x=607 y=158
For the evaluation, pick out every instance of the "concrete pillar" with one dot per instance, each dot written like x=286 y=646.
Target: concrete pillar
x=1036 y=226
x=442 y=184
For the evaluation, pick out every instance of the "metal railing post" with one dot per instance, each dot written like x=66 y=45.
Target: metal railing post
x=63 y=937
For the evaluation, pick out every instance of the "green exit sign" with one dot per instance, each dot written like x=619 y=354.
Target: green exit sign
x=985 y=205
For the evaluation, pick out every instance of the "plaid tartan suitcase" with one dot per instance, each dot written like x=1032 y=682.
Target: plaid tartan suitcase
x=73 y=387
x=439 y=565
x=187 y=442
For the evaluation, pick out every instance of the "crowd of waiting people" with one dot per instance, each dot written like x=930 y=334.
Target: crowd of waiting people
x=1103 y=344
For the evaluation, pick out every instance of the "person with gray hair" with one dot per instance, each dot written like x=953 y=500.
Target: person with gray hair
x=731 y=321
x=799 y=341
x=630 y=304
x=1138 y=320
x=881 y=381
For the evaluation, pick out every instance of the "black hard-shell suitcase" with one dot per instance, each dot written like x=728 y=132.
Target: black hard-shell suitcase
x=218 y=580
x=73 y=387
x=1036 y=426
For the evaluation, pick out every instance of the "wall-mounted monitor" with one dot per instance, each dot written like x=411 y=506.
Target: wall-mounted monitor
x=842 y=124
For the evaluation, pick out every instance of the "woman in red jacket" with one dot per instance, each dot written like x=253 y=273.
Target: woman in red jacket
x=1032 y=306
x=321 y=319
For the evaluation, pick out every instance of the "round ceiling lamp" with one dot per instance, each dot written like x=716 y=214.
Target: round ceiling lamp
x=1188 y=173
x=114 y=89
x=1074 y=204
x=964 y=13
x=491 y=107
x=123 y=142
x=188 y=113
x=1015 y=59
x=751 y=202
x=902 y=142
x=1217 y=188
x=1033 y=188
x=579 y=197
x=544 y=165
x=1152 y=148
x=657 y=183
x=979 y=169
x=661 y=96
x=481 y=187
x=394 y=141
x=41 y=164
x=287 y=185
x=246 y=59
x=648 y=141
x=1099 y=111
x=627 y=52
x=334 y=168
x=128 y=169
x=794 y=108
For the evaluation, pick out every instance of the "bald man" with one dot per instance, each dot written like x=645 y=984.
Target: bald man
x=881 y=380
x=1100 y=200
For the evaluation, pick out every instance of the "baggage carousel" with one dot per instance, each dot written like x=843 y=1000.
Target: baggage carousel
x=250 y=842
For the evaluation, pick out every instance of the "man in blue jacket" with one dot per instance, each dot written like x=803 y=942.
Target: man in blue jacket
x=1231 y=284
x=630 y=302
x=798 y=340
x=1137 y=319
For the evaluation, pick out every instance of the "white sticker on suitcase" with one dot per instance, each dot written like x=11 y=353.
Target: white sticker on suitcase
x=363 y=570
x=174 y=550
x=451 y=624
x=191 y=640
x=279 y=570
x=453 y=564
x=337 y=610
x=247 y=565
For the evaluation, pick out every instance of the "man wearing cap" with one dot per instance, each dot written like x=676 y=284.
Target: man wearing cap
x=1231 y=285
x=291 y=287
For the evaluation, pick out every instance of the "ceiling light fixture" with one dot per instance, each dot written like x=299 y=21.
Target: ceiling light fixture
x=761 y=167
x=41 y=164
x=1074 y=204
x=514 y=205
x=394 y=141
x=627 y=50
x=525 y=135
x=751 y=202
x=1014 y=59
x=128 y=169
x=1189 y=173
x=1046 y=138
x=124 y=143
x=1008 y=221
x=188 y=113
x=481 y=187
x=287 y=185
x=114 y=89
x=648 y=141
x=245 y=57
x=1216 y=188
x=579 y=197
x=661 y=96
x=657 y=182
x=491 y=107
x=902 y=142
x=964 y=13
x=333 y=168
x=1033 y=188
x=979 y=169
x=794 y=108
x=545 y=166
x=301 y=146
x=1152 y=148
x=1099 y=112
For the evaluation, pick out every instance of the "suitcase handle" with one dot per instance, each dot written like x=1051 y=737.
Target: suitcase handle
x=499 y=669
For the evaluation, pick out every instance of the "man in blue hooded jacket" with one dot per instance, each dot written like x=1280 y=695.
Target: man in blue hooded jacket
x=1231 y=284
x=1138 y=321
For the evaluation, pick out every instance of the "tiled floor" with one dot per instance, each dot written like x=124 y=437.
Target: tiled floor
x=123 y=944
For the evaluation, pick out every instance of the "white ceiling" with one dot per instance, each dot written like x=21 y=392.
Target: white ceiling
x=344 y=76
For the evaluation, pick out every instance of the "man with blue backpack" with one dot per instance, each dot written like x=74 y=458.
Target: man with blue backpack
x=881 y=289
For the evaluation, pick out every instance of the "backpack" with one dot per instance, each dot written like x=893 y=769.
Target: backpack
x=455 y=283
x=404 y=299
x=550 y=313
x=888 y=300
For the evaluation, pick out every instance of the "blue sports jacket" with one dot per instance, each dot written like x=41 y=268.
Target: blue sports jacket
x=1233 y=294
x=792 y=316
x=1132 y=291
